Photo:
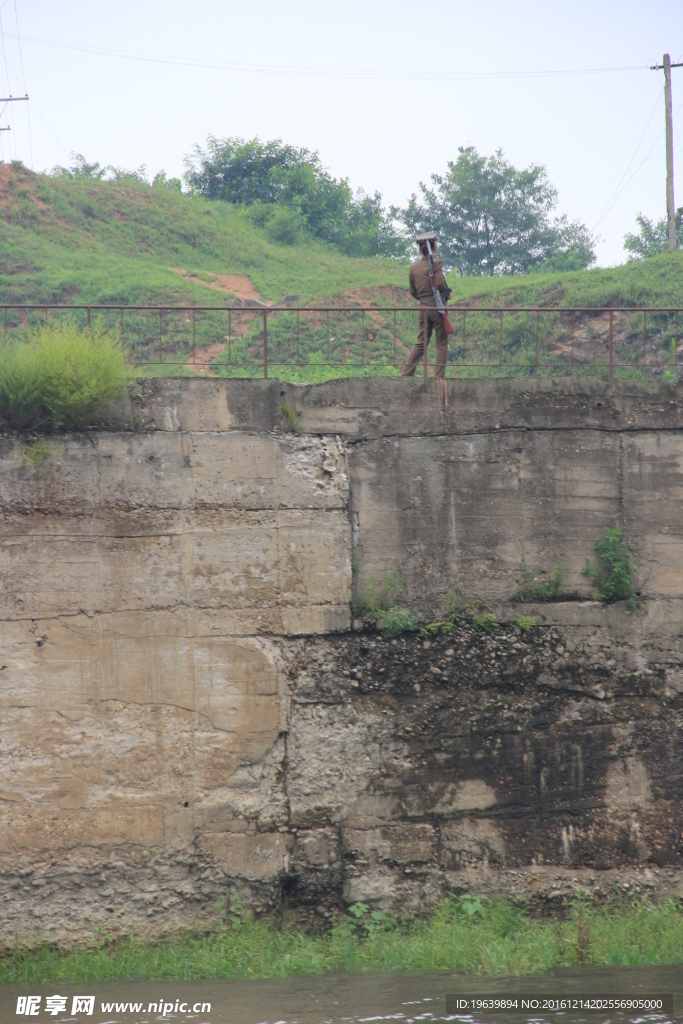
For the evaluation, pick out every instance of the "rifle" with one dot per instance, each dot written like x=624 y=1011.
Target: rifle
x=438 y=301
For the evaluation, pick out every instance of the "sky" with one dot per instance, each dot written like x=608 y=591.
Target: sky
x=385 y=92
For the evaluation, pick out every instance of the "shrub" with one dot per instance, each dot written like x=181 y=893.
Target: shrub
x=614 y=574
x=61 y=377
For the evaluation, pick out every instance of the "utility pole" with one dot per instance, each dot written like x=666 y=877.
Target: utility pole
x=666 y=66
x=10 y=99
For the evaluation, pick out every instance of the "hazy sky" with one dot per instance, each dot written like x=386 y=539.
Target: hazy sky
x=386 y=92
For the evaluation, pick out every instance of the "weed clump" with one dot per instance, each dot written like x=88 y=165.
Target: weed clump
x=534 y=588
x=614 y=575
x=292 y=417
x=486 y=621
x=61 y=377
x=378 y=603
x=525 y=623
x=452 y=614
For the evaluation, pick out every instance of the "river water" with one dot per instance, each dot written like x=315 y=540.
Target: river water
x=341 y=999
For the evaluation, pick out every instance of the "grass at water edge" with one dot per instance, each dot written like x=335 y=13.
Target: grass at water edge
x=501 y=940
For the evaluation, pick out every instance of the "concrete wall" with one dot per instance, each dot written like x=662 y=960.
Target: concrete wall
x=187 y=711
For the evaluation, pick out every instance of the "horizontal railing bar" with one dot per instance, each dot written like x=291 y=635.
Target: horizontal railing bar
x=449 y=366
x=350 y=309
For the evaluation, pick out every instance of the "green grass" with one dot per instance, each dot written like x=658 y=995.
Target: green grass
x=377 y=602
x=463 y=935
x=60 y=377
x=97 y=242
x=73 y=241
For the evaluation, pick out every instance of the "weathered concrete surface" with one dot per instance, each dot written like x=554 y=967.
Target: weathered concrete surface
x=185 y=712
x=369 y=408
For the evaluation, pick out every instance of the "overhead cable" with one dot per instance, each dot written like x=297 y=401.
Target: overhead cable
x=319 y=72
x=608 y=205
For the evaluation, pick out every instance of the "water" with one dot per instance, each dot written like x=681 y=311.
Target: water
x=346 y=998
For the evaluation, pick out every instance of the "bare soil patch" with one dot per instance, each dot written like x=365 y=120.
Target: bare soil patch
x=200 y=363
x=238 y=285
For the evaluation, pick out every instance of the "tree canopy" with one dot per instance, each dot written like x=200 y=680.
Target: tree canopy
x=81 y=170
x=292 y=195
x=492 y=218
x=652 y=239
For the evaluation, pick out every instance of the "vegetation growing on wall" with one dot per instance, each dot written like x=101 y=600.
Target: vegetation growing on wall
x=538 y=586
x=60 y=377
x=378 y=603
x=614 y=573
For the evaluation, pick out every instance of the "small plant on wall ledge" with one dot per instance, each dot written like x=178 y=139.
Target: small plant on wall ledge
x=378 y=603
x=291 y=416
x=614 y=574
x=536 y=587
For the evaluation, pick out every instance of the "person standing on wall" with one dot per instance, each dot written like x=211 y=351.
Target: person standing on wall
x=421 y=288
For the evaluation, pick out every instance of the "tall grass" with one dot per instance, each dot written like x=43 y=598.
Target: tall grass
x=60 y=377
x=499 y=940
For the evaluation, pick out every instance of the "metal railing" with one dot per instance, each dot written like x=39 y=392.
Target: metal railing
x=255 y=339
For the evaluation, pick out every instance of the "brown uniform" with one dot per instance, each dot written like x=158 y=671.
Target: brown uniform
x=421 y=289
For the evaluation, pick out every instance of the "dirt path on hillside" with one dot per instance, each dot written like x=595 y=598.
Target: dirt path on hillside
x=203 y=357
x=237 y=285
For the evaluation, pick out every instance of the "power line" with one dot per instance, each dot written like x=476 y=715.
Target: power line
x=23 y=75
x=318 y=72
x=627 y=182
x=9 y=90
x=590 y=195
x=41 y=116
x=607 y=206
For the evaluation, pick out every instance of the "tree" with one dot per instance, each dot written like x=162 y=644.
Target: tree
x=494 y=219
x=652 y=238
x=81 y=169
x=162 y=181
x=291 y=195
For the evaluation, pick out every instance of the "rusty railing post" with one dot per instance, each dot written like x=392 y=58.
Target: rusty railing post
x=297 y=337
x=538 y=316
x=328 y=337
x=121 y=311
x=645 y=337
x=464 y=314
x=88 y=315
x=572 y=348
x=675 y=341
x=611 y=342
x=193 y=337
x=229 y=337
x=5 y=323
x=161 y=337
x=265 y=345
x=424 y=339
x=362 y=337
x=500 y=342
x=394 y=356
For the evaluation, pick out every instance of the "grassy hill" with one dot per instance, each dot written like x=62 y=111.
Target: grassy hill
x=101 y=242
